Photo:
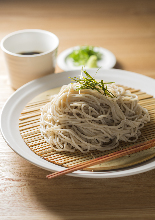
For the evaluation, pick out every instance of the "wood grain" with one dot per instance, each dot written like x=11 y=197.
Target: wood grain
x=127 y=29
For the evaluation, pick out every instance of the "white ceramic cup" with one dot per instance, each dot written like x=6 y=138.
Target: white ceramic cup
x=24 y=68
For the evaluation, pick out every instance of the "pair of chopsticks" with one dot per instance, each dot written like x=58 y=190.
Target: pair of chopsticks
x=127 y=151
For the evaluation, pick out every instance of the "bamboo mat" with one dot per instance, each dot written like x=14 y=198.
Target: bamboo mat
x=29 y=130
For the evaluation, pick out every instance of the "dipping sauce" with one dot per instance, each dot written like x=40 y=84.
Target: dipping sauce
x=30 y=53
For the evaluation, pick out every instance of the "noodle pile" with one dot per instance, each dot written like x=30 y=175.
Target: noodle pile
x=88 y=120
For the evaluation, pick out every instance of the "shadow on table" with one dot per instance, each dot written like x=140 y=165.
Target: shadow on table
x=92 y=198
x=118 y=65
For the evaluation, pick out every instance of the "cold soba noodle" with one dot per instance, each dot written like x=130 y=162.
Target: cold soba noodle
x=89 y=120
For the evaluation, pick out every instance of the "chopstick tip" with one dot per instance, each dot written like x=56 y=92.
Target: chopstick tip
x=49 y=176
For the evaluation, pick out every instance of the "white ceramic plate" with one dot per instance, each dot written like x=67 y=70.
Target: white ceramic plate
x=16 y=103
x=108 y=60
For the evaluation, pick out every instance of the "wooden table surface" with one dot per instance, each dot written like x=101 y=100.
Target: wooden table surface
x=127 y=28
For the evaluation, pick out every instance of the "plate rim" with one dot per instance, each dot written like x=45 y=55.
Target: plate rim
x=38 y=83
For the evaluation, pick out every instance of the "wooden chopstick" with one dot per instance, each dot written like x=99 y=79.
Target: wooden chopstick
x=127 y=151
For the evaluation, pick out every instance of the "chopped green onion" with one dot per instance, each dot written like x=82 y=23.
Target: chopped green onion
x=82 y=55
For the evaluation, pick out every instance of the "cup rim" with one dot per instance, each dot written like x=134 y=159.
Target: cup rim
x=28 y=30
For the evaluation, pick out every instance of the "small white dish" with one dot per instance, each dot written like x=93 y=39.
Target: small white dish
x=16 y=103
x=108 y=60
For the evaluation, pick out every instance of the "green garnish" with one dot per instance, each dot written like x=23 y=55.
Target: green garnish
x=82 y=55
x=89 y=82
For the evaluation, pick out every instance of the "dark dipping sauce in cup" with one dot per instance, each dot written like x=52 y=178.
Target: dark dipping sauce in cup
x=30 y=53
